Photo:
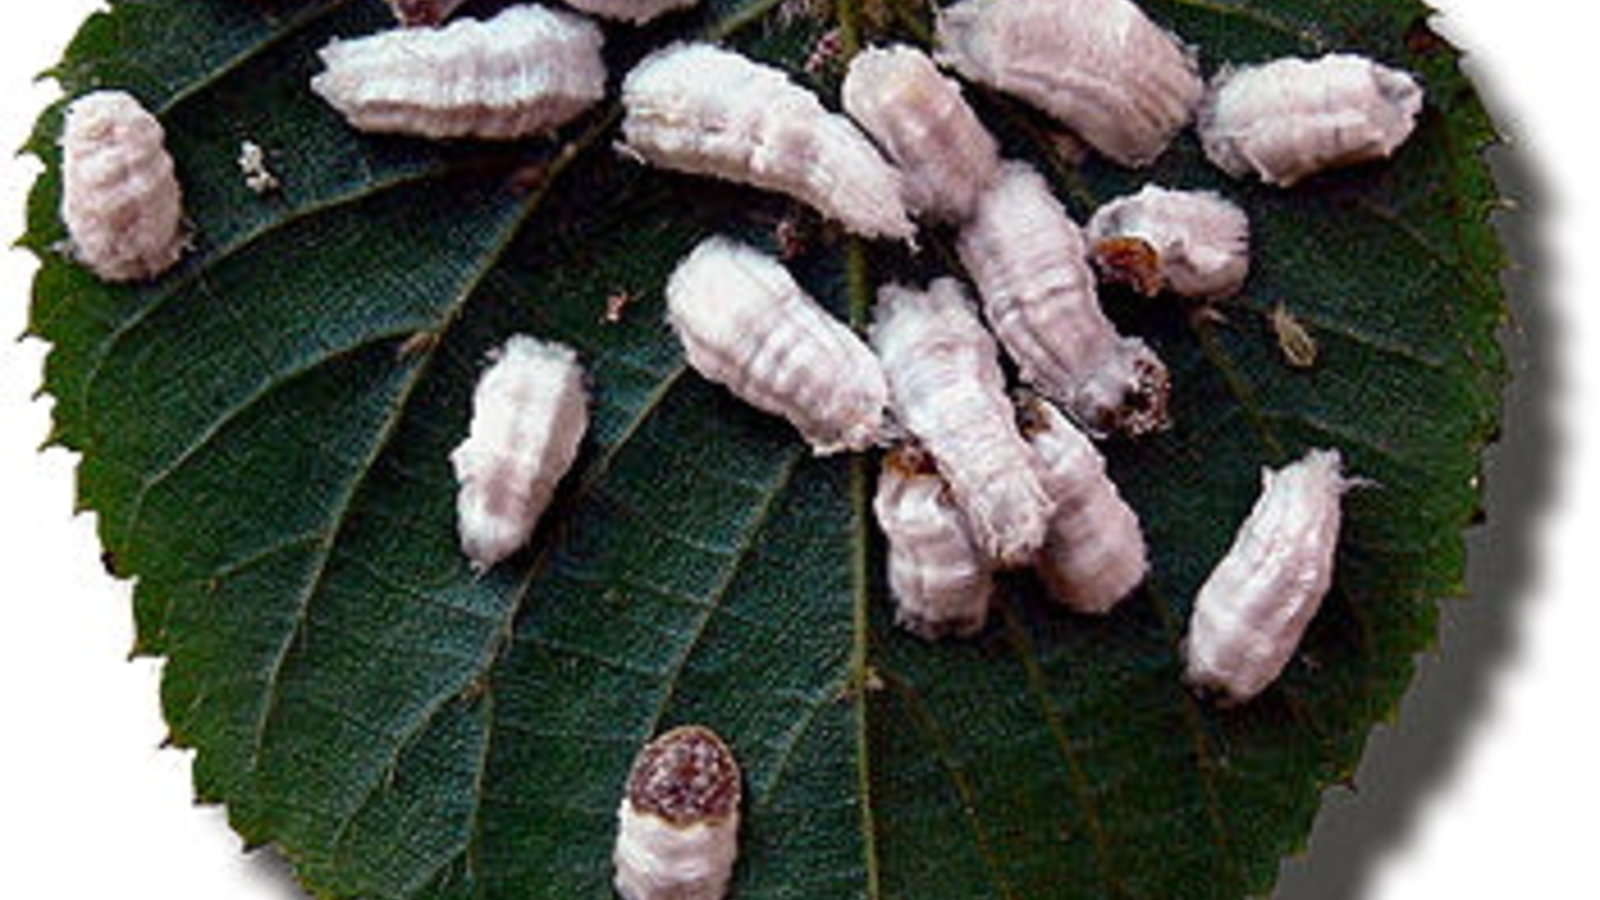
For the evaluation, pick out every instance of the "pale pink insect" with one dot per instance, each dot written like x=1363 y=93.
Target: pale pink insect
x=1094 y=554
x=708 y=111
x=1031 y=266
x=1253 y=610
x=529 y=414
x=423 y=12
x=120 y=197
x=1291 y=118
x=525 y=72
x=924 y=126
x=1099 y=66
x=678 y=823
x=745 y=323
x=940 y=580
x=635 y=12
x=949 y=393
x=1193 y=243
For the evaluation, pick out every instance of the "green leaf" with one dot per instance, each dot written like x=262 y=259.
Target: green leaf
x=266 y=446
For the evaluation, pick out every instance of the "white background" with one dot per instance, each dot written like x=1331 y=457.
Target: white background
x=1483 y=788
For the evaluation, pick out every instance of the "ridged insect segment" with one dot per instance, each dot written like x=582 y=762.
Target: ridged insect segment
x=939 y=578
x=948 y=390
x=1253 y=609
x=423 y=12
x=925 y=127
x=524 y=72
x=635 y=12
x=678 y=824
x=1101 y=67
x=745 y=323
x=1094 y=554
x=1193 y=243
x=120 y=197
x=1030 y=264
x=700 y=109
x=529 y=413
x=1290 y=118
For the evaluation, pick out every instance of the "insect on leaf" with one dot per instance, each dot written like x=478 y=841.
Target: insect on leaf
x=265 y=433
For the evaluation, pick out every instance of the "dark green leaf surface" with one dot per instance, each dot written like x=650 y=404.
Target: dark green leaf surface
x=266 y=444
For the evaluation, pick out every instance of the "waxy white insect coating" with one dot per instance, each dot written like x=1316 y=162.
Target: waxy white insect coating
x=1192 y=243
x=948 y=391
x=524 y=72
x=678 y=823
x=636 y=12
x=1253 y=610
x=1030 y=264
x=1291 y=118
x=745 y=323
x=939 y=578
x=704 y=110
x=1099 y=66
x=529 y=413
x=923 y=124
x=120 y=197
x=1094 y=554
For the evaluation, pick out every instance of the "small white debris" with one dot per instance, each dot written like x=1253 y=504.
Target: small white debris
x=253 y=165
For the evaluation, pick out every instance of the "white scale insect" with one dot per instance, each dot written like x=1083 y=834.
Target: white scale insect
x=1290 y=118
x=529 y=414
x=1099 y=66
x=1094 y=554
x=700 y=109
x=922 y=123
x=1193 y=243
x=1253 y=609
x=524 y=72
x=745 y=323
x=948 y=391
x=120 y=197
x=1030 y=264
x=941 y=582
x=678 y=824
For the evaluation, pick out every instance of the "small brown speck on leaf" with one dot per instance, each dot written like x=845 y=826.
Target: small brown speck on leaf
x=1299 y=348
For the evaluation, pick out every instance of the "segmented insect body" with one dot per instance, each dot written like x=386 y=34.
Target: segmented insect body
x=948 y=391
x=529 y=413
x=1030 y=264
x=1253 y=609
x=423 y=12
x=635 y=12
x=1193 y=243
x=707 y=111
x=120 y=197
x=921 y=121
x=678 y=824
x=524 y=72
x=1290 y=118
x=939 y=578
x=746 y=324
x=1094 y=554
x=1100 y=66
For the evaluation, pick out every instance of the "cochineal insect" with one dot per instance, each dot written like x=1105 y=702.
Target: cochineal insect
x=1193 y=243
x=923 y=124
x=1030 y=264
x=1099 y=66
x=948 y=391
x=525 y=72
x=678 y=823
x=1253 y=609
x=423 y=12
x=120 y=197
x=1291 y=118
x=1094 y=554
x=635 y=12
x=940 y=580
x=703 y=110
x=745 y=323
x=529 y=413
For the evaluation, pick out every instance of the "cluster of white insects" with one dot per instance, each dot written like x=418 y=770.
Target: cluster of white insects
x=977 y=480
